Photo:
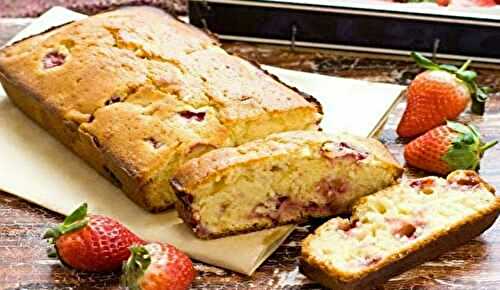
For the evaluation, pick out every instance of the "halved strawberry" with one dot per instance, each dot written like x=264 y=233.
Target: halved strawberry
x=157 y=266
x=91 y=243
x=447 y=148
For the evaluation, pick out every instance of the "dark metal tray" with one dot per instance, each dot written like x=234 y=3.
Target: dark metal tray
x=355 y=26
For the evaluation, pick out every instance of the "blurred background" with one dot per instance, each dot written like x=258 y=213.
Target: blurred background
x=33 y=8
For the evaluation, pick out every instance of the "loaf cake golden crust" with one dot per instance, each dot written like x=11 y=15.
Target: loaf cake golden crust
x=135 y=93
x=398 y=228
x=285 y=178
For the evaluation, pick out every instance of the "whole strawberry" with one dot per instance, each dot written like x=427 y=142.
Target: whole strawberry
x=473 y=3
x=157 y=266
x=91 y=243
x=441 y=93
x=447 y=148
x=443 y=2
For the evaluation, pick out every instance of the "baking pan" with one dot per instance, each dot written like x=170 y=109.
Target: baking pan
x=368 y=26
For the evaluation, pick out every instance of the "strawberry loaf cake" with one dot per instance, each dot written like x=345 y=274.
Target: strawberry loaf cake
x=136 y=93
x=398 y=228
x=284 y=178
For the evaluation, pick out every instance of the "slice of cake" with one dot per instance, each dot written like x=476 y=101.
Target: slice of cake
x=399 y=228
x=284 y=178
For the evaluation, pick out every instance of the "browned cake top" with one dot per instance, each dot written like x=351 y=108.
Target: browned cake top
x=148 y=87
x=289 y=144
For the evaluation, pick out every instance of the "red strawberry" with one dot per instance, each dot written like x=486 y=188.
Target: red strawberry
x=443 y=2
x=157 y=266
x=485 y=3
x=441 y=93
x=447 y=148
x=91 y=243
x=473 y=3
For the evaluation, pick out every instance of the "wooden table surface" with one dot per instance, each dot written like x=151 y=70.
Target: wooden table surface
x=475 y=265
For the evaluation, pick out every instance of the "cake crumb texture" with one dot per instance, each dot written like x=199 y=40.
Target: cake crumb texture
x=397 y=222
x=284 y=178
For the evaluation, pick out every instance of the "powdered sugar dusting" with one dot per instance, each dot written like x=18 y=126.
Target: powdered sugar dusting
x=287 y=279
x=209 y=269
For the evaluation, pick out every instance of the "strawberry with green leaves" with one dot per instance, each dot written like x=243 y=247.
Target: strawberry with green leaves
x=440 y=93
x=157 y=266
x=91 y=243
x=447 y=148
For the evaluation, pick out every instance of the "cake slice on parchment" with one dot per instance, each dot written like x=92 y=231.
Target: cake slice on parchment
x=398 y=228
x=284 y=178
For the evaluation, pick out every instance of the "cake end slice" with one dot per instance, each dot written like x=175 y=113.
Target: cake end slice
x=399 y=228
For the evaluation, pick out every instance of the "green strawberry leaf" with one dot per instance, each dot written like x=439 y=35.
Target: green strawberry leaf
x=424 y=62
x=77 y=214
x=50 y=233
x=474 y=130
x=469 y=139
x=467 y=148
x=76 y=220
x=467 y=76
x=486 y=89
x=479 y=94
x=449 y=68
x=74 y=226
x=482 y=93
x=135 y=267
x=461 y=158
x=479 y=100
x=459 y=127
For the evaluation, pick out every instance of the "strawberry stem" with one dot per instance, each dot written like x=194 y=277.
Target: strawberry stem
x=465 y=65
x=487 y=146
x=423 y=62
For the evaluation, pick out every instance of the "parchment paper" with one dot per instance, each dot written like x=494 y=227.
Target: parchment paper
x=36 y=167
